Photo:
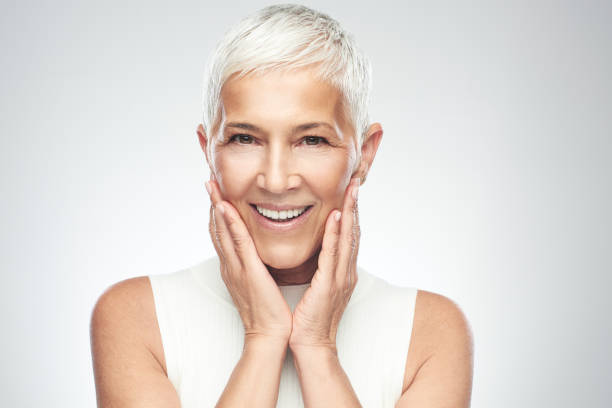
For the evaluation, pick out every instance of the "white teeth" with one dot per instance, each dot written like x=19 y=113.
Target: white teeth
x=280 y=215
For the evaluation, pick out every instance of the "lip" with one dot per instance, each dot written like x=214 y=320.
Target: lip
x=276 y=207
x=285 y=226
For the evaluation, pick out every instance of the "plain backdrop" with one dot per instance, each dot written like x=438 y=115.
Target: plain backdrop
x=491 y=185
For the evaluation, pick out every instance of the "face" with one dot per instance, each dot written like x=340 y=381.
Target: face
x=283 y=141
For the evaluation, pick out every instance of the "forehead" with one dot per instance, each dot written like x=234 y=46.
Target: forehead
x=281 y=98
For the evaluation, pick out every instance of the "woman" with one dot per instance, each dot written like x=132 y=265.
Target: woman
x=282 y=316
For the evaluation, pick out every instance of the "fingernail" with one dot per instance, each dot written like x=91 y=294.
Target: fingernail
x=220 y=208
x=337 y=215
x=207 y=187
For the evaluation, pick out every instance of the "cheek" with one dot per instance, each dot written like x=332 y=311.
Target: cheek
x=329 y=179
x=234 y=173
x=327 y=174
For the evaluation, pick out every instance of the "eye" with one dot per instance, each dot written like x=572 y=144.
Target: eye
x=314 y=140
x=247 y=139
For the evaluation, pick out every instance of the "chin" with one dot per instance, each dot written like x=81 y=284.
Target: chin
x=283 y=256
x=278 y=261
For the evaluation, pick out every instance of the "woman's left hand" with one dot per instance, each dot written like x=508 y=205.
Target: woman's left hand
x=317 y=315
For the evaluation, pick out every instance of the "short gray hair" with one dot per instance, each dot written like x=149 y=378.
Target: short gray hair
x=286 y=36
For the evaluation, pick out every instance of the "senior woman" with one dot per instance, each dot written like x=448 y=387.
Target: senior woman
x=282 y=315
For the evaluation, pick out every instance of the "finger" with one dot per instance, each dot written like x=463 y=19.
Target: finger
x=328 y=257
x=216 y=239
x=223 y=237
x=221 y=230
x=212 y=224
x=212 y=230
x=230 y=262
x=242 y=242
x=215 y=227
x=231 y=242
x=215 y=192
x=349 y=232
x=357 y=237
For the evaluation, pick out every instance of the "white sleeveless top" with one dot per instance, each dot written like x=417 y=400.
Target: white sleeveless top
x=203 y=336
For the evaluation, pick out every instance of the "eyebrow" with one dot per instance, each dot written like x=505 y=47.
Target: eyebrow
x=298 y=128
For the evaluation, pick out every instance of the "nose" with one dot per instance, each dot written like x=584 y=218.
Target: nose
x=277 y=170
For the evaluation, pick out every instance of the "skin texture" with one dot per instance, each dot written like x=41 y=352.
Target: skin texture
x=279 y=165
x=316 y=317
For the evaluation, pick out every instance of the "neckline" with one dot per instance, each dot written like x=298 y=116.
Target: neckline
x=207 y=273
x=299 y=285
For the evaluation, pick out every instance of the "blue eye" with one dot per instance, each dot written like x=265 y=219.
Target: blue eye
x=242 y=138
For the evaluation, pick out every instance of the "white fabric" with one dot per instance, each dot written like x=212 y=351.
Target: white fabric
x=203 y=336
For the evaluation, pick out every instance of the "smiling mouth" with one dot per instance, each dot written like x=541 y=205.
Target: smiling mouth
x=281 y=216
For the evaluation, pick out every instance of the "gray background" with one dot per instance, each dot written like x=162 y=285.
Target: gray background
x=491 y=186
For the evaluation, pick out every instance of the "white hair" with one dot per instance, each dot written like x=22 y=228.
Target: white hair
x=288 y=36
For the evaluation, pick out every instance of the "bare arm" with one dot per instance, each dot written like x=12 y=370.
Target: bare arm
x=127 y=356
x=263 y=310
x=323 y=381
x=444 y=376
x=127 y=368
x=256 y=378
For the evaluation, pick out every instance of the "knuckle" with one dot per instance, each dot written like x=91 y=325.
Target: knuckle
x=212 y=224
x=229 y=220
x=333 y=250
x=213 y=235
x=216 y=236
x=240 y=241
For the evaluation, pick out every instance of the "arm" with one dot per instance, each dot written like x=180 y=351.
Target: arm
x=317 y=316
x=256 y=378
x=128 y=368
x=263 y=310
x=128 y=359
x=323 y=381
x=444 y=366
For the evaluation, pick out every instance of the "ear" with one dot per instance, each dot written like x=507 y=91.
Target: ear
x=369 y=147
x=203 y=142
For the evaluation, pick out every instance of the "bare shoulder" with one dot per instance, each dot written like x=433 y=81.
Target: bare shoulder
x=439 y=366
x=126 y=347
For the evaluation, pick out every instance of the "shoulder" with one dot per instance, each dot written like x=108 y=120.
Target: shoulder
x=441 y=342
x=127 y=355
x=129 y=298
x=439 y=314
x=124 y=315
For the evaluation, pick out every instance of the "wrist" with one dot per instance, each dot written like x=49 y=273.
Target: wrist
x=314 y=359
x=263 y=344
x=314 y=351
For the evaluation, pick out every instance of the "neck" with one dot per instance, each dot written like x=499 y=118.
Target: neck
x=299 y=275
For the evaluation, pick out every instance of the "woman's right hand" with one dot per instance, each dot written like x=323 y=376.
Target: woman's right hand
x=262 y=307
